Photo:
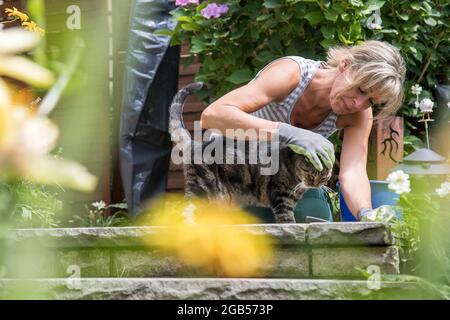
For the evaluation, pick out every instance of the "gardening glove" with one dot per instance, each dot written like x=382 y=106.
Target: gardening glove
x=310 y=144
x=384 y=213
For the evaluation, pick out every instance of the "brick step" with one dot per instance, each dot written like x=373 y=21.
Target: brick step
x=317 y=250
x=208 y=288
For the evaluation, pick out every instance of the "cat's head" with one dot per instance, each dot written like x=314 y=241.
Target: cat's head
x=307 y=173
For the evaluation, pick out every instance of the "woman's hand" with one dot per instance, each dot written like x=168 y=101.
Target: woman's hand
x=384 y=213
x=308 y=143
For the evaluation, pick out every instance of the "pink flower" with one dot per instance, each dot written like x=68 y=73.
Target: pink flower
x=213 y=10
x=184 y=3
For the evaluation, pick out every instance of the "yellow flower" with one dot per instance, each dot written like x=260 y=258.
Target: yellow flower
x=16 y=14
x=26 y=137
x=39 y=31
x=206 y=235
x=32 y=26
x=26 y=22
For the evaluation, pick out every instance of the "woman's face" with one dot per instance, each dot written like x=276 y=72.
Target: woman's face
x=348 y=101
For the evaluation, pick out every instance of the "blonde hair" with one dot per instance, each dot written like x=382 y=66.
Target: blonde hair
x=379 y=66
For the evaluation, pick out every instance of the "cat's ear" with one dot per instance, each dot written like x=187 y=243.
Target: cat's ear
x=297 y=149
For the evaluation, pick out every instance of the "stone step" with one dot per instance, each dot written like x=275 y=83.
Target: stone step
x=206 y=288
x=317 y=250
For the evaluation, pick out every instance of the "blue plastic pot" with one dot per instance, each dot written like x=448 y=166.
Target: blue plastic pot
x=380 y=194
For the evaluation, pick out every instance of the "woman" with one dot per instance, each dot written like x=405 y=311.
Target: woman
x=305 y=101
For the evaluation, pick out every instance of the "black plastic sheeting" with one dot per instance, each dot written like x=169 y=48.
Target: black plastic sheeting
x=442 y=110
x=151 y=77
x=440 y=127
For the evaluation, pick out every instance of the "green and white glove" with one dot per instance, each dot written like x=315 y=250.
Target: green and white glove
x=308 y=143
x=384 y=213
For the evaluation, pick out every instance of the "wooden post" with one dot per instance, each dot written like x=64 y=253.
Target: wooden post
x=385 y=147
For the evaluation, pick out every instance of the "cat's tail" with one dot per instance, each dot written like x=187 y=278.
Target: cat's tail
x=177 y=130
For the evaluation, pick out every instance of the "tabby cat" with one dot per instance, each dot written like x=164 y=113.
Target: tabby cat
x=243 y=184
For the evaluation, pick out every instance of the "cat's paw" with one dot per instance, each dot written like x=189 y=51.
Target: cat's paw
x=285 y=218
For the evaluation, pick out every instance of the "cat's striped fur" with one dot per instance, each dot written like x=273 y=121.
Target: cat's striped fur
x=243 y=183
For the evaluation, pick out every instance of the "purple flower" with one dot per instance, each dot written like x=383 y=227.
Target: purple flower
x=184 y=3
x=213 y=10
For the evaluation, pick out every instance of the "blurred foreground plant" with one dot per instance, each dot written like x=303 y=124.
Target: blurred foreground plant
x=202 y=235
x=422 y=230
x=28 y=24
x=26 y=136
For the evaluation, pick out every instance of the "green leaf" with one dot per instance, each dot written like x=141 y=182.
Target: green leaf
x=266 y=56
x=286 y=16
x=356 y=3
x=197 y=45
x=427 y=7
x=271 y=4
x=419 y=56
x=314 y=17
x=222 y=34
x=373 y=5
x=240 y=76
x=238 y=34
x=343 y=39
x=164 y=32
x=389 y=31
x=345 y=17
x=270 y=23
x=403 y=16
x=264 y=17
x=415 y=5
x=297 y=1
x=331 y=14
x=355 y=31
x=184 y=19
x=190 y=26
x=430 y=21
x=327 y=31
x=328 y=43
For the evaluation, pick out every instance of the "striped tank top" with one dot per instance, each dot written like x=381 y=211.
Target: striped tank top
x=281 y=111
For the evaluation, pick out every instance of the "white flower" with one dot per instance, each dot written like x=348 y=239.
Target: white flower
x=426 y=105
x=416 y=89
x=443 y=190
x=373 y=26
x=399 y=182
x=448 y=104
x=17 y=40
x=374 y=21
x=26 y=214
x=99 y=205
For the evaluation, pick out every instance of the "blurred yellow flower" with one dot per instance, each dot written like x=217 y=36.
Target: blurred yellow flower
x=26 y=22
x=15 y=13
x=32 y=26
x=205 y=234
x=26 y=138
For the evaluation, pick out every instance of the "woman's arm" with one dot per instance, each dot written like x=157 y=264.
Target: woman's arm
x=232 y=111
x=353 y=179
